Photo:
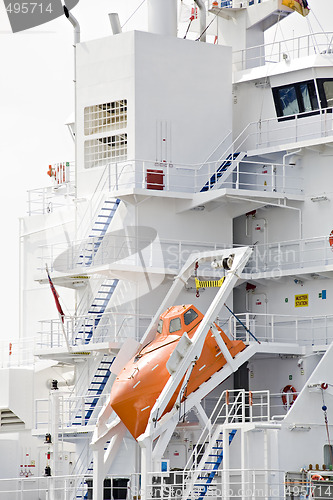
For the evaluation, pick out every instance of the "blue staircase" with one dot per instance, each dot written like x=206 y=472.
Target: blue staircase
x=220 y=171
x=85 y=331
x=97 y=233
x=211 y=465
x=89 y=472
x=95 y=389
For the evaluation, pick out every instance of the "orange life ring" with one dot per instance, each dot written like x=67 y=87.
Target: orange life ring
x=289 y=389
x=330 y=238
x=317 y=477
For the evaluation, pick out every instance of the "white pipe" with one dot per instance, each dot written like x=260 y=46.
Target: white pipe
x=75 y=23
x=162 y=17
x=115 y=23
x=66 y=382
x=202 y=8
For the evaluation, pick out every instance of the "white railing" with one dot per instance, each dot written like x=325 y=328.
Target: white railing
x=92 y=328
x=67 y=487
x=17 y=353
x=300 y=330
x=292 y=48
x=144 y=251
x=290 y=255
x=247 y=483
x=97 y=199
x=46 y=200
x=297 y=128
x=192 y=178
x=273 y=406
x=234 y=4
x=232 y=407
x=74 y=411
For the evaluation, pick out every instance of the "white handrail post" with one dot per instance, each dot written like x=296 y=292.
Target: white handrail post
x=272 y=327
x=247 y=323
x=232 y=333
x=237 y=175
x=143 y=176
x=82 y=410
x=243 y=405
x=284 y=177
x=250 y=406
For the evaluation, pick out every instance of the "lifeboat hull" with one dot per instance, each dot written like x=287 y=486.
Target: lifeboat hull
x=142 y=380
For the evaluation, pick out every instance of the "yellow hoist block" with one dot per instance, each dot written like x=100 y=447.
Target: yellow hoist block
x=209 y=283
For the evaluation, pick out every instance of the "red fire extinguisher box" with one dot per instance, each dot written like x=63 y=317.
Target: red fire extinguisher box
x=155 y=179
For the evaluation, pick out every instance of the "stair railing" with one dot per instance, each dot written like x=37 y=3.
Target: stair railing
x=225 y=411
x=96 y=200
x=234 y=147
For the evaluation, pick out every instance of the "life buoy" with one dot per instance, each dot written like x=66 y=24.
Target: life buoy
x=289 y=389
x=317 y=477
x=324 y=386
x=330 y=238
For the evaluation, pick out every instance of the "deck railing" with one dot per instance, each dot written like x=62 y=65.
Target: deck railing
x=72 y=411
x=144 y=250
x=92 y=328
x=246 y=483
x=284 y=50
x=281 y=257
x=286 y=329
x=17 y=353
x=46 y=200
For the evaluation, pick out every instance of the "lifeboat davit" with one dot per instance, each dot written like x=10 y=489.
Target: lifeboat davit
x=143 y=378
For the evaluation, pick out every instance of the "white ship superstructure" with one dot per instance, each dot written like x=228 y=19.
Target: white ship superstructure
x=187 y=153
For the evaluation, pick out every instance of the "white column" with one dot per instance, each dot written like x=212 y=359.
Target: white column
x=146 y=468
x=55 y=416
x=226 y=464
x=162 y=17
x=98 y=474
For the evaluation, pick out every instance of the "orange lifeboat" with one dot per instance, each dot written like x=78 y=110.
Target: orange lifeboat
x=141 y=381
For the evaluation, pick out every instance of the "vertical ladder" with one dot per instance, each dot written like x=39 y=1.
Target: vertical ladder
x=97 y=233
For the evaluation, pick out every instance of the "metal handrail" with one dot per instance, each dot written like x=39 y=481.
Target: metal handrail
x=311 y=45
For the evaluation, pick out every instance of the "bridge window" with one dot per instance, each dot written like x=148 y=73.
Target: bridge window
x=325 y=88
x=294 y=99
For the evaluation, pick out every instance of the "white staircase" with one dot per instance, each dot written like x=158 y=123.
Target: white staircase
x=232 y=409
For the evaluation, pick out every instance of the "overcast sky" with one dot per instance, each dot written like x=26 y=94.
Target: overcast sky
x=36 y=98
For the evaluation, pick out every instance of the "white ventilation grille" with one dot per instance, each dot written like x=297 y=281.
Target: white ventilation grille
x=105 y=117
x=104 y=150
x=9 y=420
